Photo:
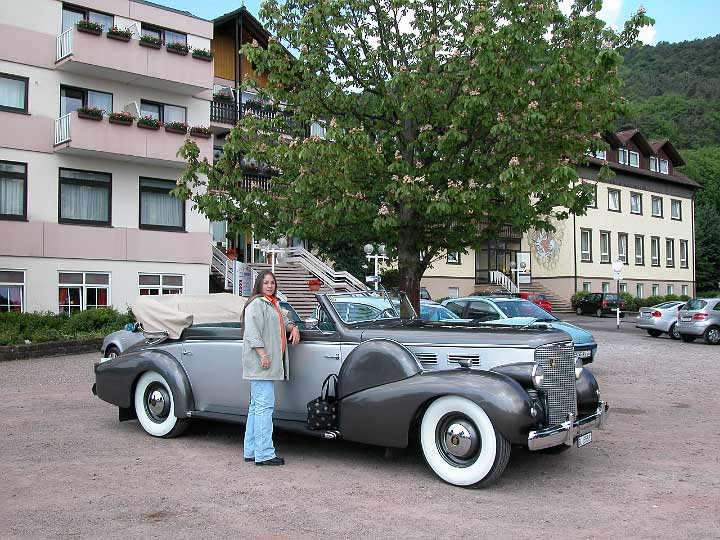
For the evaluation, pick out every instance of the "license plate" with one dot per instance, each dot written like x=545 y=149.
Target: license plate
x=582 y=440
x=645 y=315
x=584 y=354
x=686 y=319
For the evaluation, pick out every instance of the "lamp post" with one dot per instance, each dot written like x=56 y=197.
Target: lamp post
x=273 y=249
x=518 y=271
x=369 y=249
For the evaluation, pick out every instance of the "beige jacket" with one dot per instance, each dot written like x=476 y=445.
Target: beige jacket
x=262 y=329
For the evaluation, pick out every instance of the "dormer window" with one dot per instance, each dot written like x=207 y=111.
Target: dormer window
x=659 y=165
x=628 y=157
x=664 y=166
x=599 y=154
x=654 y=167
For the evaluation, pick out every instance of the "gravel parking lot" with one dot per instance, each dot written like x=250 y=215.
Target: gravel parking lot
x=69 y=469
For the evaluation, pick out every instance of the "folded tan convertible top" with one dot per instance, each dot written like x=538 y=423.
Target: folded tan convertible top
x=173 y=313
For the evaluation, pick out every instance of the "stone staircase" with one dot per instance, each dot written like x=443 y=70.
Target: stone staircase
x=292 y=280
x=559 y=304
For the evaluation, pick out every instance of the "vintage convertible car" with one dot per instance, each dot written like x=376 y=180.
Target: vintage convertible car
x=467 y=392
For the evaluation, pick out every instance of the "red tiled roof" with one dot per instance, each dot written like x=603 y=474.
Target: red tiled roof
x=675 y=178
x=669 y=149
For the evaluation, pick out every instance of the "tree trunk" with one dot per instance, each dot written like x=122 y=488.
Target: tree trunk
x=410 y=271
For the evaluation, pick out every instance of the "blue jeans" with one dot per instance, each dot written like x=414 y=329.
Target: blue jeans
x=259 y=427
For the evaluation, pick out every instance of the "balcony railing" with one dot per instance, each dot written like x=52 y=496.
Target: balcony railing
x=64 y=45
x=62 y=129
x=229 y=112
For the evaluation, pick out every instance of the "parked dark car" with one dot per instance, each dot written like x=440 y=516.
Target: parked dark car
x=599 y=304
x=467 y=392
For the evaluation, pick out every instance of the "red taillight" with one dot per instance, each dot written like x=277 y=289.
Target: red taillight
x=604 y=303
x=700 y=316
x=622 y=304
x=656 y=314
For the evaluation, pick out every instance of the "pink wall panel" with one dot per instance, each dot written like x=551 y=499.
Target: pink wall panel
x=25 y=46
x=168 y=246
x=26 y=132
x=21 y=238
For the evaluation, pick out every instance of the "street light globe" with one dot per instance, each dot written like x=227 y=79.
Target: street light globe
x=264 y=243
x=513 y=265
x=381 y=249
x=282 y=242
x=368 y=249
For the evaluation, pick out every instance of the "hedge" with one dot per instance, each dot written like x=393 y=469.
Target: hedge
x=19 y=328
x=633 y=303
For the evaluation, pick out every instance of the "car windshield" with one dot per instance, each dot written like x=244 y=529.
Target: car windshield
x=695 y=303
x=370 y=306
x=523 y=308
x=667 y=305
x=611 y=297
x=436 y=313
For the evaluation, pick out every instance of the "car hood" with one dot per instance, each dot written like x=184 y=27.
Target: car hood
x=579 y=336
x=446 y=332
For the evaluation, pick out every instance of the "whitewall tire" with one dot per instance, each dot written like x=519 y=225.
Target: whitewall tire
x=460 y=443
x=155 y=407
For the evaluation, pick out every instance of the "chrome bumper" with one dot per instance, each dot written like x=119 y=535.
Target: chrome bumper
x=568 y=431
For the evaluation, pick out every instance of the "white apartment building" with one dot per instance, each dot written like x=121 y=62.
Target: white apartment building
x=86 y=218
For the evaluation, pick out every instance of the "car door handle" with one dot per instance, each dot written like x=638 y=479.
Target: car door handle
x=186 y=352
x=333 y=356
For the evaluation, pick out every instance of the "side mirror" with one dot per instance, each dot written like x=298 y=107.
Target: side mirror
x=311 y=323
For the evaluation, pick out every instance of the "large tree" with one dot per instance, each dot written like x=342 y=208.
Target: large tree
x=446 y=121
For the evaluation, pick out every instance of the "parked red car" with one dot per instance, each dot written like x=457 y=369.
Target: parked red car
x=538 y=299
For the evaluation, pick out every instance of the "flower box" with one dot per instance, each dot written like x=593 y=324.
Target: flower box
x=224 y=98
x=202 y=54
x=314 y=284
x=121 y=118
x=231 y=254
x=176 y=127
x=177 y=48
x=145 y=125
x=119 y=34
x=90 y=113
x=151 y=42
x=89 y=27
x=201 y=132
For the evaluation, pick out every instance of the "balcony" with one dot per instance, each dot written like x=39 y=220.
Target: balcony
x=93 y=138
x=227 y=113
x=131 y=63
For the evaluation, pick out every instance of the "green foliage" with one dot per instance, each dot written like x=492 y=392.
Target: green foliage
x=16 y=328
x=708 y=294
x=442 y=127
x=391 y=278
x=631 y=302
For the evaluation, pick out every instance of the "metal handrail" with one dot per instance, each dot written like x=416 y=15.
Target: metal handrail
x=498 y=278
x=322 y=271
x=223 y=266
x=62 y=129
x=63 y=45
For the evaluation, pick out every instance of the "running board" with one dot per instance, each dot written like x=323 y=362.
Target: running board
x=285 y=425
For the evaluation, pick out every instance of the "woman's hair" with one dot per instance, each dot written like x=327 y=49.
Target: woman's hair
x=257 y=291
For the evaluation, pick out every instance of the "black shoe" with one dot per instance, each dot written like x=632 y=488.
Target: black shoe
x=249 y=459
x=271 y=462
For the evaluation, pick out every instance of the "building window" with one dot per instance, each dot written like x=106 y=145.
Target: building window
x=317 y=129
x=654 y=164
x=159 y=209
x=676 y=209
x=655 y=250
x=454 y=292
x=13 y=93
x=683 y=253
x=168 y=36
x=162 y=111
x=628 y=157
x=13 y=190
x=657 y=207
x=587 y=286
x=85 y=197
x=78 y=291
x=593 y=201
x=623 y=287
x=640 y=290
x=684 y=290
x=71 y=16
x=71 y=99
x=586 y=245
x=453 y=257
x=623 y=156
x=670 y=289
x=622 y=247
x=664 y=166
x=158 y=284
x=636 y=203
x=604 y=247
x=669 y=252
x=614 y=200
x=12 y=291
x=639 y=250
x=605 y=286
x=656 y=289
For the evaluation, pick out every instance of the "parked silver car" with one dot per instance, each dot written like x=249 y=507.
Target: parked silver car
x=700 y=317
x=660 y=319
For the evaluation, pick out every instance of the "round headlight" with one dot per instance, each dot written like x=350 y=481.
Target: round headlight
x=537 y=376
x=578 y=366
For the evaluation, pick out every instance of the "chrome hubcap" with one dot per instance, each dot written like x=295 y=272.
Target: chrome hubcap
x=714 y=335
x=458 y=440
x=157 y=403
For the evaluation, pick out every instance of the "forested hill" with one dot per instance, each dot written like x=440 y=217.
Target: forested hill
x=674 y=91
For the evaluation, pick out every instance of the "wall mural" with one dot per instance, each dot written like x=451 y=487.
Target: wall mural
x=546 y=245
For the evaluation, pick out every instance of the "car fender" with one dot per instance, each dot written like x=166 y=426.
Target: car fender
x=115 y=380
x=385 y=415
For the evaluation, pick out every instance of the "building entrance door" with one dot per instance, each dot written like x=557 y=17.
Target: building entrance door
x=496 y=255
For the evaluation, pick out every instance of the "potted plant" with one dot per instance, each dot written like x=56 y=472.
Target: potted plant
x=90 y=113
x=150 y=41
x=89 y=27
x=177 y=48
x=314 y=284
x=176 y=127
x=200 y=131
x=231 y=254
x=202 y=54
x=224 y=97
x=254 y=104
x=122 y=118
x=148 y=122
x=120 y=34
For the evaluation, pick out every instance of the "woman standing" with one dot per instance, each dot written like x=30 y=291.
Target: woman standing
x=265 y=360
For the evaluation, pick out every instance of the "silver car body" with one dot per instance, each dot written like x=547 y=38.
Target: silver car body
x=700 y=317
x=648 y=318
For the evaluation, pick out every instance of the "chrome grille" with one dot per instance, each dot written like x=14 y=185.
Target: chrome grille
x=474 y=359
x=427 y=358
x=558 y=363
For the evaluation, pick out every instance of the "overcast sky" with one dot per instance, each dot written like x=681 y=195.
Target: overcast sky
x=675 y=20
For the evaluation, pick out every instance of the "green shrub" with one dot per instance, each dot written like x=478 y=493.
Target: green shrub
x=631 y=302
x=708 y=294
x=575 y=298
